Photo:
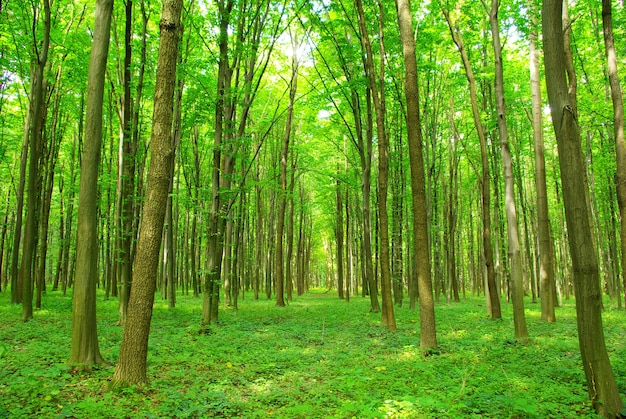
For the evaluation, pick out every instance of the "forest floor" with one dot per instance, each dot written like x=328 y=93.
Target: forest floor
x=319 y=357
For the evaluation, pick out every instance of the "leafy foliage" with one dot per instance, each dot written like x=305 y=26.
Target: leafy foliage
x=318 y=357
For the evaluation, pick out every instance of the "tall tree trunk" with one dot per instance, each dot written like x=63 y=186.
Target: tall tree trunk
x=339 y=235
x=36 y=127
x=284 y=155
x=388 y=316
x=217 y=221
x=428 y=331
x=397 y=221
x=16 y=284
x=193 y=251
x=515 y=254
x=452 y=203
x=290 y=215
x=618 y=127
x=348 y=246
x=494 y=297
x=546 y=253
x=47 y=165
x=601 y=384
x=66 y=244
x=128 y=164
x=85 y=348
x=259 y=239
x=170 y=216
x=301 y=246
x=131 y=367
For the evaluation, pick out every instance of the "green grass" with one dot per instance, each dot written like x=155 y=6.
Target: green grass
x=319 y=357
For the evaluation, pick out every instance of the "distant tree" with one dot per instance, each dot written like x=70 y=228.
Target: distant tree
x=601 y=384
x=85 y=348
x=131 y=367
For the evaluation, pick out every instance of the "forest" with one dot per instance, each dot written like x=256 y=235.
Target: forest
x=312 y=208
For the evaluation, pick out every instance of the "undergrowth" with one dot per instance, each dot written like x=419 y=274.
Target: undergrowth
x=319 y=357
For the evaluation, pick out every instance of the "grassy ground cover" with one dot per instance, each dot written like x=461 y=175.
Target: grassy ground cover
x=319 y=357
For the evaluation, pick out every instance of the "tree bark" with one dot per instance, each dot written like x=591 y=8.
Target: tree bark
x=601 y=384
x=132 y=364
x=85 y=348
x=428 y=331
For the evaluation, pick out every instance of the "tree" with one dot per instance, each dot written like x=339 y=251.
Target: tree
x=284 y=155
x=85 y=348
x=618 y=126
x=35 y=130
x=517 y=286
x=546 y=258
x=601 y=384
x=339 y=236
x=494 y=298
x=378 y=93
x=360 y=130
x=131 y=367
x=428 y=331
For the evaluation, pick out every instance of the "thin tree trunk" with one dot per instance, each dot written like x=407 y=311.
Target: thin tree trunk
x=290 y=221
x=348 y=246
x=284 y=155
x=397 y=211
x=452 y=206
x=16 y=284
x=546 y=253
x=35 y=139
x=339 y=235
x=515 y=254
x=494 y=297
x=618 y=127
x=388 y=316
x=601 y=384
x=128 y=164
x=49 y=162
